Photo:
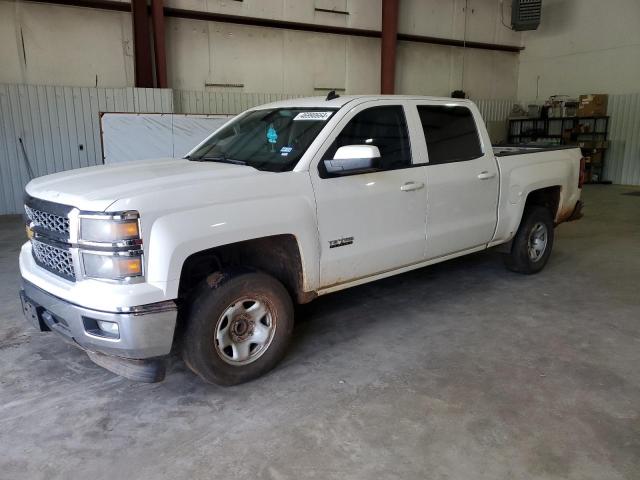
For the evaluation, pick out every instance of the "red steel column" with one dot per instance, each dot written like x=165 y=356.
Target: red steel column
x=388 y=48
x=141 y=44
x=157 y=17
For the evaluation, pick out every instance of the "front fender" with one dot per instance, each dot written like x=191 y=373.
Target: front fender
x=176 y=236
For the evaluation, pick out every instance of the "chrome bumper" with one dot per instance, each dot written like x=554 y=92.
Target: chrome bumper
x=144 y=332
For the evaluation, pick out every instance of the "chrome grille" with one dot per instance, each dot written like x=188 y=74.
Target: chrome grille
x=54 y=259
x=48 y=221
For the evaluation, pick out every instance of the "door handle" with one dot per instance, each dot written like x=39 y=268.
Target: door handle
x=409 y=186
x=486 y=175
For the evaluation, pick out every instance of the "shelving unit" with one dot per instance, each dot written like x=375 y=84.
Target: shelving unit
x=589 y=133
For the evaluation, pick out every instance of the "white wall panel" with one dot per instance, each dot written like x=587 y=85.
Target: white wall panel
x=424 y=69
x=65 y=45
x=130 y=137
x=363 y=66
x=221 y=103
x=437 y=70
x=581 y=47
x=60 y=45
x=447 y=18
x=362 y=13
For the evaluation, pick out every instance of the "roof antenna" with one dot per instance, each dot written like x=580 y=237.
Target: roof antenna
x=331 y=95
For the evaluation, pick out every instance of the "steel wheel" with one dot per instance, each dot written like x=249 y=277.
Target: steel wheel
x=244 y=331
x=537 y=243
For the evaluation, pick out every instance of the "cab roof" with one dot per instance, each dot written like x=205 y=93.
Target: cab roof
x=322 y=102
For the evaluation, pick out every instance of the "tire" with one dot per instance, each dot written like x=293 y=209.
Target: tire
x=532 y=245
x=229 y=310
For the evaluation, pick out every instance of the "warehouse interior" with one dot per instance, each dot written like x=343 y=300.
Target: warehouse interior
x=454 y=371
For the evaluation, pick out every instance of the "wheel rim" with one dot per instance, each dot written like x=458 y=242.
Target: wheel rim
x=244 y=331
x=538 y=239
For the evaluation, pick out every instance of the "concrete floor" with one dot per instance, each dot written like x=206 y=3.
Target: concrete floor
x=458 y=371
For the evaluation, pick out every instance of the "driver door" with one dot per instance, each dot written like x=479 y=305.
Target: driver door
x=373 y=222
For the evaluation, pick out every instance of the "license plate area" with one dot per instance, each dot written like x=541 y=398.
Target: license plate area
x=31 y=313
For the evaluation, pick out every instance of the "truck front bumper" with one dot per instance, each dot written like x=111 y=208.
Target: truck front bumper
x=144 y=333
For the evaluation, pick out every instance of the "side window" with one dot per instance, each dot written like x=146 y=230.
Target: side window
x=384 y=127
x=450 y=132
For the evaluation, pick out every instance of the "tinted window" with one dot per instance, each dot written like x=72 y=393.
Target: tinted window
x=384 y=127
x=450 y=132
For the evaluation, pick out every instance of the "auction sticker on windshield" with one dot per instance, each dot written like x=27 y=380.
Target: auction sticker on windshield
x=317 y=116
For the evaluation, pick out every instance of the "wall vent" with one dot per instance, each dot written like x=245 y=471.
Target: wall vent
x=525 y=14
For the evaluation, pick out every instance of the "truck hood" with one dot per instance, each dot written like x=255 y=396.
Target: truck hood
x=95 y=188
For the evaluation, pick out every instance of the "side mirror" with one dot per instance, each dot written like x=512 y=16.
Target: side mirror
x=354 y=159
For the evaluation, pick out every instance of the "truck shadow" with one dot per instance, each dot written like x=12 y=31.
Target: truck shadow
x=419 y=294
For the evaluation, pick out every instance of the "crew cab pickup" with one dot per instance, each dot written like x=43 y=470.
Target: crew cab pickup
x=206 y=255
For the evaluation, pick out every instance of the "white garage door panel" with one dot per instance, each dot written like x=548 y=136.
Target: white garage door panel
x=129 y=137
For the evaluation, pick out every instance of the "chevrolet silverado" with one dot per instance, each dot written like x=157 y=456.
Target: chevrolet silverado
x=206 y=255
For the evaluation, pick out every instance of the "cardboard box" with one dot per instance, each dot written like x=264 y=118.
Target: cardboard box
x=594 y=105
x=594 y=144
x=596 y=158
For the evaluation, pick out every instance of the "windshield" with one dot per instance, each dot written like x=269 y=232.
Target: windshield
x=272 y=140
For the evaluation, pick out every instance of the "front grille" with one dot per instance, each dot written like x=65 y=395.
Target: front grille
x=48 y=221
x=55 y=259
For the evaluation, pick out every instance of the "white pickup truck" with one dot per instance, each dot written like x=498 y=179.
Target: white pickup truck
x=206 y=255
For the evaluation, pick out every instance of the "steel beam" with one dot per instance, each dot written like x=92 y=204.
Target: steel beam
x=157 y=16
x=141 y=44
x=388 y=46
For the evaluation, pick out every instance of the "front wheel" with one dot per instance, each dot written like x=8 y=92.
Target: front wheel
x=239 y=327
x=533 y=242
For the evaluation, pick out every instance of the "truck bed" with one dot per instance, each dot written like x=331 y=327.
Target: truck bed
x=535 y=167
x=506 y=150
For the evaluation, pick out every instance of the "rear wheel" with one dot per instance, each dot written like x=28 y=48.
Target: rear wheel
x=533 y=242
x=239 y=327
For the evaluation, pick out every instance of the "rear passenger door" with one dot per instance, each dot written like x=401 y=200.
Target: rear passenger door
x=462 y=178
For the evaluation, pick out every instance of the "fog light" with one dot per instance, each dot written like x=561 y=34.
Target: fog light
x=110 y=328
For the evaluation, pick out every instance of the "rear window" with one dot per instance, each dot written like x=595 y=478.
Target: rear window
x=450 y=132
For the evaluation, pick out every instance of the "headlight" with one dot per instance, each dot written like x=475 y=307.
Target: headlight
x=109 y=230
x=112 y=266
x=110 y=246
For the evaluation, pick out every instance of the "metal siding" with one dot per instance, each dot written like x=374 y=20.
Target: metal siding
x=622 y=161
x=16 y=160
x=495 y=110
x=53 y=122
x=6 y=154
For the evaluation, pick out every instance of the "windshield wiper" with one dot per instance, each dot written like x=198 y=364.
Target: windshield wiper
x=220 y=159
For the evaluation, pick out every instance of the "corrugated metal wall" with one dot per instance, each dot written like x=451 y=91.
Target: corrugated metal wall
x=60 y=126
x=495 y=110
x=622 y=161
x=60 y=129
